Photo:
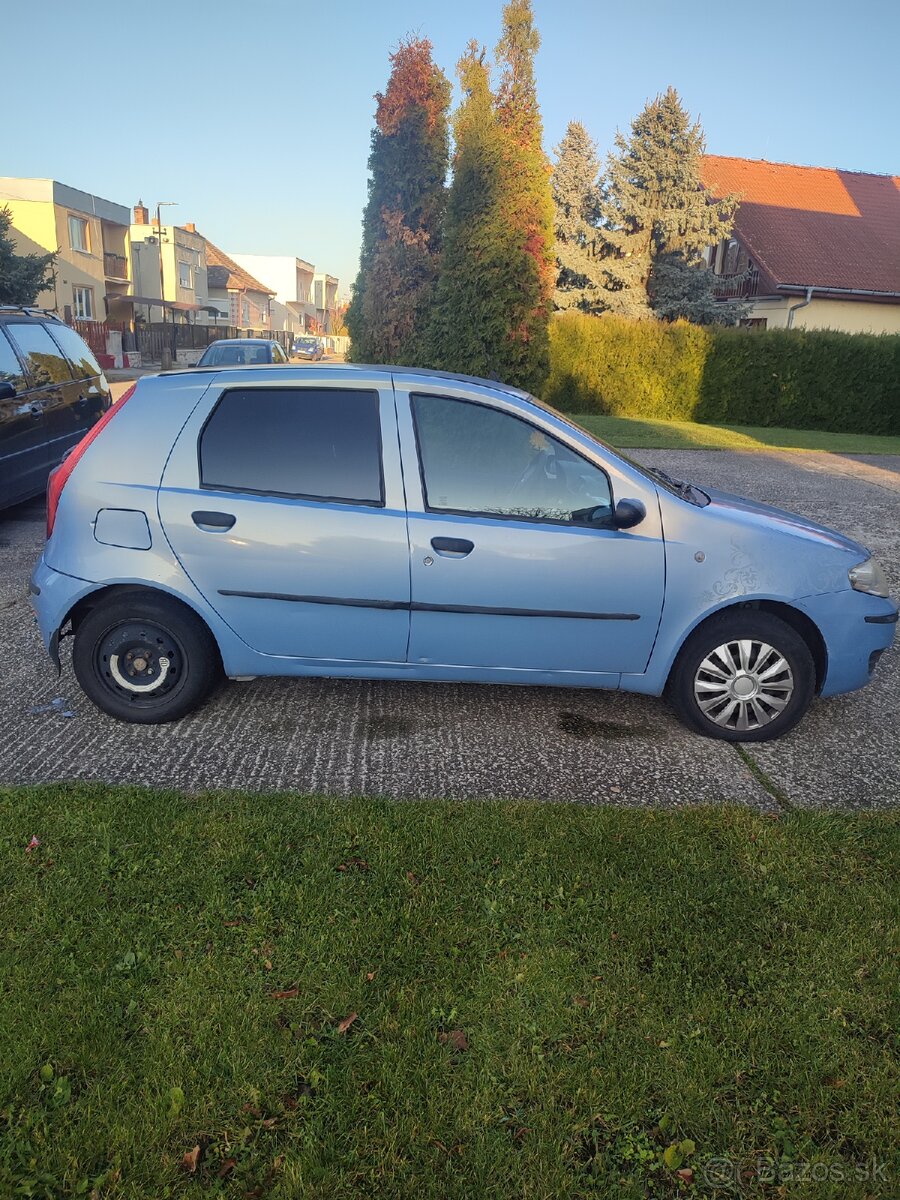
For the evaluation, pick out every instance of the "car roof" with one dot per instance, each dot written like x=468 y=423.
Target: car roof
x=349 y=369
x=241 y=342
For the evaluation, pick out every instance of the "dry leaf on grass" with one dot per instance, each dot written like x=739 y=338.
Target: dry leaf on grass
x=285 y=994
x=191 y=1158
x=456 y=1039
x=344 y=1025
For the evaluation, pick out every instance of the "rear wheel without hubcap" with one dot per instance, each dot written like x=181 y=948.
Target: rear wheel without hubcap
x=145 y=658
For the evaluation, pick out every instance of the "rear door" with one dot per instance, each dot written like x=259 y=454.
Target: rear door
x=284 y=504
x=23 y=437
x=53 y=381
x=89 y=397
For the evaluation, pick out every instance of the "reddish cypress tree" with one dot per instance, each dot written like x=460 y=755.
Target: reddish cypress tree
x=402 y=221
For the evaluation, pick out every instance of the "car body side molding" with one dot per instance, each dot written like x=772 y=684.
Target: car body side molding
x=477 y=609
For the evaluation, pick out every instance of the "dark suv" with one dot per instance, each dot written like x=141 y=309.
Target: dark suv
x=52 y=390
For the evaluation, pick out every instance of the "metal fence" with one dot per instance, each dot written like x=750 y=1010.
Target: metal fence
x=153 y=338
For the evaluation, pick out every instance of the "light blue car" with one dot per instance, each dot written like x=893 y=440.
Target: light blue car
x=392 y=523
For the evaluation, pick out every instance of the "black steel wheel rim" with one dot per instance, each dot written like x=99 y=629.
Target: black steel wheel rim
x=141 y=662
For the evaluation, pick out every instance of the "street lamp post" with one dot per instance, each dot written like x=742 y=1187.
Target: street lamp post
x=162 y=283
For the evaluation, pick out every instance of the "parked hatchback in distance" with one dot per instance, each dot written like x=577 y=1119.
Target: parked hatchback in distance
x=52 y=390
x=239 y=352
x=308 y=348
x=400 y=524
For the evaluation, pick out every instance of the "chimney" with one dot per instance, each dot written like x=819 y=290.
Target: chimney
x=190 y=226
x=141 y=215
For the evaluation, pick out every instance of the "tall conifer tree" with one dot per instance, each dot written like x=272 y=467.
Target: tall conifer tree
x=402 y=223
x=654 y=210
x=493 y=300
x=576 y=200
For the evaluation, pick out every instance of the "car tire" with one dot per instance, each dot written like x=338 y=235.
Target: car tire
x=145 y=658
x=743 y=676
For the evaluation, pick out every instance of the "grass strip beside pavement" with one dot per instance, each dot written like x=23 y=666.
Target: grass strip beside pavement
x=629 y=432
x=276 y=996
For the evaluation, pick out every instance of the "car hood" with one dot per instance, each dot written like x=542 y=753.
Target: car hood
x=766 y=515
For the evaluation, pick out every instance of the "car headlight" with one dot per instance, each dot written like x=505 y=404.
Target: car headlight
x=869 y=577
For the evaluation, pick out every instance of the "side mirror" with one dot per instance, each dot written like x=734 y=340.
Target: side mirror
x=628 y=513
x=7 y=390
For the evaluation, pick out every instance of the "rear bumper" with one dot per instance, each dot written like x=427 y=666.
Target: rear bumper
x=52 y=595
x=857 y=629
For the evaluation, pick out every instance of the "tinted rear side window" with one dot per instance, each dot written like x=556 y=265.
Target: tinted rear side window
x=42 y=356
x=10 y=371
x=321 y=443
x=77 y=351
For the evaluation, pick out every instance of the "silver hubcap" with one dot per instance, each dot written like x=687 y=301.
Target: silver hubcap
x=743 y=685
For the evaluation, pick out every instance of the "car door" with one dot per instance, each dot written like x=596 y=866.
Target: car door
x=23 y=436
x=90 y=391
x=54 y=381
x=284 y=505
x=514 y=560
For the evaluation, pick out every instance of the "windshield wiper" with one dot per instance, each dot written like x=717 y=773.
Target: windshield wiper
x=687 y=491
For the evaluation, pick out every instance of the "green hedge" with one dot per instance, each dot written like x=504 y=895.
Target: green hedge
x=801 y=379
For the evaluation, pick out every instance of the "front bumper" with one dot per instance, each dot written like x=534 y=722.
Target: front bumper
x=857 y=629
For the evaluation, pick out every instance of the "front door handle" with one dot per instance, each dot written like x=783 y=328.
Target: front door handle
x=213 y=522
x=452 y=547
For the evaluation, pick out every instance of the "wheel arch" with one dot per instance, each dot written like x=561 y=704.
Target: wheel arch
x=795 y=617
x=100 y=595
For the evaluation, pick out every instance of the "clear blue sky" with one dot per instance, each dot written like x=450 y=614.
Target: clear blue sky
x=256 y=117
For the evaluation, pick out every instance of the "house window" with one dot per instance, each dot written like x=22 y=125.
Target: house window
x=79 y=237
x=83 y=303
x=755 y=322
x=245 y=312
x=184 y=274
x=732 y=257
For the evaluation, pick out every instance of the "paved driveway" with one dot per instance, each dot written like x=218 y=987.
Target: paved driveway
x=466 y=741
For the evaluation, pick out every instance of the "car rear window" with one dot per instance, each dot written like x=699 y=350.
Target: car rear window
x=314 y=443
x=76 y=351
x=43 y=358
x=236 y=356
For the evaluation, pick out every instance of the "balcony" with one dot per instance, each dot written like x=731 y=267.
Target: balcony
x=115 y=266
x=743 y=286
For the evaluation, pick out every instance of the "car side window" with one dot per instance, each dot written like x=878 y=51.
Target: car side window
x=10 y=367
x=43 y=357
x=77 y=351
x=477 y=459
x=310 y=443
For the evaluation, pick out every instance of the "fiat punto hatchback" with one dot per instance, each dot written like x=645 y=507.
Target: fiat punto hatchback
x=391 y=523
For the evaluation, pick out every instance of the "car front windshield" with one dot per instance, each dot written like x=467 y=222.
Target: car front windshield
x=305 y=344
x=232 y=354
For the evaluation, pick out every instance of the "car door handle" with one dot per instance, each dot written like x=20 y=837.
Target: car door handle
x=452 y=547
x=213 y=522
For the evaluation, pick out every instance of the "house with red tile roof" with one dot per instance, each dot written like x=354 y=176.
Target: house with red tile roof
x=812 y=247
x=243 y=299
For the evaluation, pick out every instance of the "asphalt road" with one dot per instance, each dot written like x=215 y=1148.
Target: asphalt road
x=467 y=741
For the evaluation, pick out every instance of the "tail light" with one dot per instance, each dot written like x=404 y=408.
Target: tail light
x=59 y=476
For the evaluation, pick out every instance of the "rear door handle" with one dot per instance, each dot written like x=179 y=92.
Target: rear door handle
x=213 y=522
x=452 y=547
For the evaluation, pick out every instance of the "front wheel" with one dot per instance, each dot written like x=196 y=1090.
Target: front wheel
x=145 y=658
x=744 y=676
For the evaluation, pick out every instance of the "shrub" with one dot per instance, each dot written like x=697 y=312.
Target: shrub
x=805 y=379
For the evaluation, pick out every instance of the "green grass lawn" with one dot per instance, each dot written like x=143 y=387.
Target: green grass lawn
x=340 y=999
x=689 y=435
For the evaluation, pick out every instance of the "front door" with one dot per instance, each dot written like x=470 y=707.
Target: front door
x=515 y=562
x=284 y=505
